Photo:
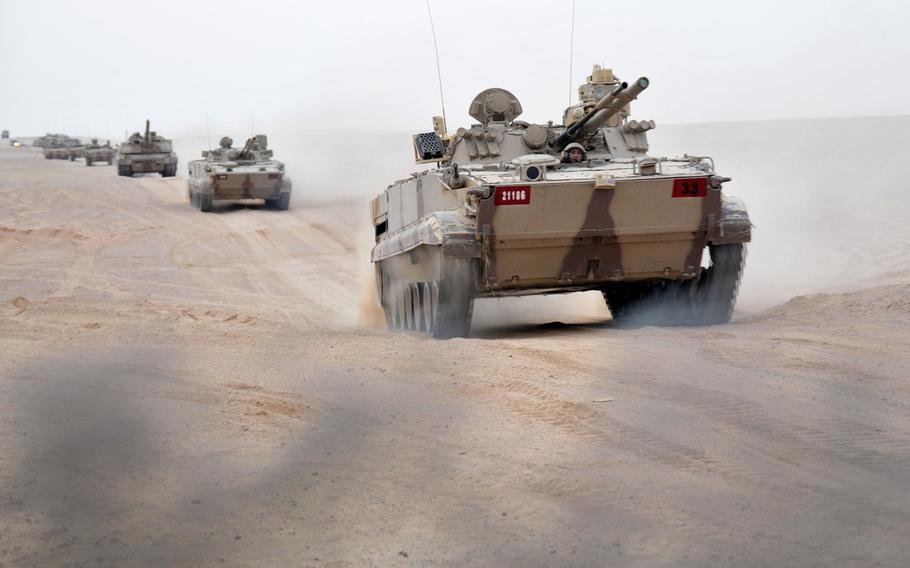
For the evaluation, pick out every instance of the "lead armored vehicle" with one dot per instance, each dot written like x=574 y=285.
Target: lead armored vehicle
x=512 y=208
x=239 y=173
x=146 y=153
x=95 y=152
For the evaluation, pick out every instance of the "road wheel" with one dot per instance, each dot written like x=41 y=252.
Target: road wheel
x=398 y=306
x=88 y=162
x=124 y=171
x=427 y=305
x=409 y=310
x=283 y=202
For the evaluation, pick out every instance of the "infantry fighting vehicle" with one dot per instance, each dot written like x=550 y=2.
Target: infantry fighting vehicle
x=513 y=208
x=231 y=173
x=146 y=153
x=75 y=149
x=95 y=152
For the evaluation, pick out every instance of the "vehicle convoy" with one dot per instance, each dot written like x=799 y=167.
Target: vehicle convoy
x=146 y=153
x=95 y=152
x=232 y=173
x=513 y=209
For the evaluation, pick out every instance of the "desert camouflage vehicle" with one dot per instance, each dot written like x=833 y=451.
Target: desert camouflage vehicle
x=513 y=208
x=231 y=173
x=146 y=153
x=76 y=149
x=4 y=134
x=56 y=147
x=95 y=152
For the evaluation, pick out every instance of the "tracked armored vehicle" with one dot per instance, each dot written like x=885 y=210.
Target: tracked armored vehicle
x=235 y=173
x=56 y=147
x=146 y=153
x=4 y=134
x=513 y=209
x=75 y=149
x=95 y=152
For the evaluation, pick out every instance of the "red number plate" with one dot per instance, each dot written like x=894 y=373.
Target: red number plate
x=513 y=195
x=692 y=187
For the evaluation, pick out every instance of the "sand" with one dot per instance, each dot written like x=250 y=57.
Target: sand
x=181 y=389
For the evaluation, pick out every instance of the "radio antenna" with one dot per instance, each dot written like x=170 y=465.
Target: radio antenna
x=571 y=51
x=442 y=101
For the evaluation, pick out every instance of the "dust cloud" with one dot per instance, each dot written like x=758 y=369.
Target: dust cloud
x=827 y=200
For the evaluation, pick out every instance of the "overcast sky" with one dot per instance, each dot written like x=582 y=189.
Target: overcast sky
x=100 y=67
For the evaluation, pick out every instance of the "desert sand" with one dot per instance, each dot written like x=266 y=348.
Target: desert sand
x=181 y=389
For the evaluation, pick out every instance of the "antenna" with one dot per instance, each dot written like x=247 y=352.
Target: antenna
x=438 y=69
x=571 y=51
x=252 y=124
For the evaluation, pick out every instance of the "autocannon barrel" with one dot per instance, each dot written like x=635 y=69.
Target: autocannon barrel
x=248 y=147
x=605 y=109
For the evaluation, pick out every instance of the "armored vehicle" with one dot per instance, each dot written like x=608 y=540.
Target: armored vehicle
x=4 y=134
x=513 y=208
x=95 y=152
x=56 y=147
x=146 y=153
x=75 y=148
x=246 y=173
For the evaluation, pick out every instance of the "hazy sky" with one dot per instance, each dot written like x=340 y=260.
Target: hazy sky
x=103 y=66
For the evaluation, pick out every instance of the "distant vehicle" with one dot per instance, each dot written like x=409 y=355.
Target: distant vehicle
x=146 y=153
x=76 y=149
x=56 y=147
x=95 y=152
x=49 y=138
x=4 y=134
x=513 y=209
x=247 y=173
